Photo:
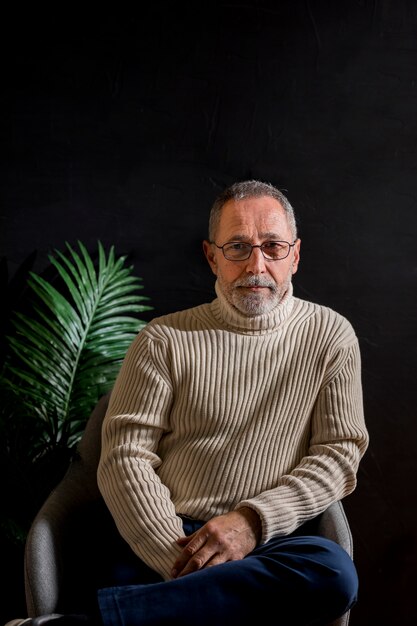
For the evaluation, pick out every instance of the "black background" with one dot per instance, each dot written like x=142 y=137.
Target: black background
x=122 y=126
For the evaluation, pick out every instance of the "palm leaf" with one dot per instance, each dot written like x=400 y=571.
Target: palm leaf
x=67 y=353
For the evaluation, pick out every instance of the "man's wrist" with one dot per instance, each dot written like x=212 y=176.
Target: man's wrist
x=254 y=521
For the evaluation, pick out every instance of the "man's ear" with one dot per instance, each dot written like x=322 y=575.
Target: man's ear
x=296 y=257
x=210 y=255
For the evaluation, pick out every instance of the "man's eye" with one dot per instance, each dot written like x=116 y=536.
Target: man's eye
x=272 y=245
x=237 y=246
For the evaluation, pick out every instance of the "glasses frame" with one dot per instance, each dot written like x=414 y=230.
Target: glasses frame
x=260 y=246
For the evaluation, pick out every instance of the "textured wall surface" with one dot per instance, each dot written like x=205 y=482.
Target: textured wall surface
x=124 y=127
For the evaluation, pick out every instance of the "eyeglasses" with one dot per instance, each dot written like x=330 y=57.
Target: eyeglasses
x=271 y=250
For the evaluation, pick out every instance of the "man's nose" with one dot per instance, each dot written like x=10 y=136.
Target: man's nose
x=256 y=262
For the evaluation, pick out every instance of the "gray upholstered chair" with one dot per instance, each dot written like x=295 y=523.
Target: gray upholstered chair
x=73 y=535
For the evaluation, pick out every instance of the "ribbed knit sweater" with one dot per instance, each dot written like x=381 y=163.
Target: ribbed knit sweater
x=213 y=411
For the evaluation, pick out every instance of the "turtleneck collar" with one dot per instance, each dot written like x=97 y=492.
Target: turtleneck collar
x=228 y=315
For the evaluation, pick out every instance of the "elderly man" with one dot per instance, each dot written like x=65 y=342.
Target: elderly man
x=231 y=427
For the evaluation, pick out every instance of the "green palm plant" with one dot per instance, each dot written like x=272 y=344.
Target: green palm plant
x=67 y=352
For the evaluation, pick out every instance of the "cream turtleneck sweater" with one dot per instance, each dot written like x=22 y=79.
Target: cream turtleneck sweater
x=213 y=411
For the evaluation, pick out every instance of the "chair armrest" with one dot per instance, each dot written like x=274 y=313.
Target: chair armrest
x=334 y=525
x=43 y=566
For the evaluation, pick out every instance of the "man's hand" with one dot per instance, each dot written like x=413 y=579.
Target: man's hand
x=224 y=538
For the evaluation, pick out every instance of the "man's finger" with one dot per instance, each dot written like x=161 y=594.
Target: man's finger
x=192 y=546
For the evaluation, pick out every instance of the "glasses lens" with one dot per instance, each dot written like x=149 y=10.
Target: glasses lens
x=275 y=250
x=237 y=251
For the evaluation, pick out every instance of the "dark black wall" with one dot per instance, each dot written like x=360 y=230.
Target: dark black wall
x=124 y=127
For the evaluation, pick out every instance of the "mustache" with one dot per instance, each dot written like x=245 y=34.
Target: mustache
x=255 y=281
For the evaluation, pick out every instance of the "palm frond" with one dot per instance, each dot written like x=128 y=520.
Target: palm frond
x=67 y=352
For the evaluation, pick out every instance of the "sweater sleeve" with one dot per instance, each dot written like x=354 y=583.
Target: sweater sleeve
x=137 y=418
x=338 y=440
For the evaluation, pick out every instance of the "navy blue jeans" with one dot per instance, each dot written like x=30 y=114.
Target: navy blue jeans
x=289 y=581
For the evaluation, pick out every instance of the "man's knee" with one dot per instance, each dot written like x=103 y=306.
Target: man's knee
x=338 y=582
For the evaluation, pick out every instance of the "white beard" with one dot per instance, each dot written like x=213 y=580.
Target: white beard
x=253 y=304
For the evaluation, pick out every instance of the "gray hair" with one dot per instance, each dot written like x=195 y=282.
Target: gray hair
x=249 y=189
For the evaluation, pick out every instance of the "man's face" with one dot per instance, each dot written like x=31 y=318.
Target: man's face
x=254 y=286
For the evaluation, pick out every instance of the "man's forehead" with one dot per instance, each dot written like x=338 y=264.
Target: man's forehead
x=264 y=214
